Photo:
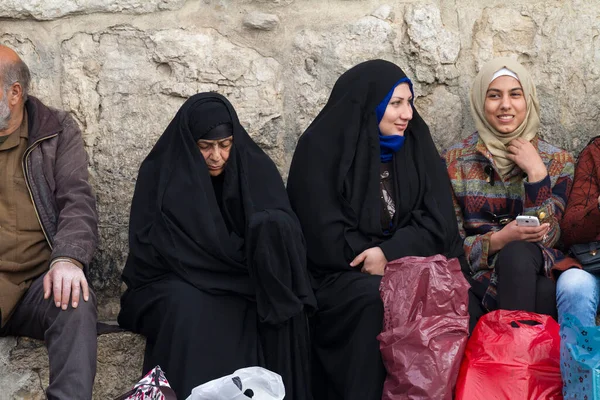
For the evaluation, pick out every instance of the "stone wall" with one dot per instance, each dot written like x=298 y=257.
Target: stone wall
x=123 y=67
x=25 y=372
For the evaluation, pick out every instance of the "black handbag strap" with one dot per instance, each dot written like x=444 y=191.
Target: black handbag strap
x=165 y=390
x=168 y=393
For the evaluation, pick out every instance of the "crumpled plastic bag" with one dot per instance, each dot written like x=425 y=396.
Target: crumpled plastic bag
x=580 y=359
x=254 y=383
x=153 y=386
x=426 y=325
x=512 y=355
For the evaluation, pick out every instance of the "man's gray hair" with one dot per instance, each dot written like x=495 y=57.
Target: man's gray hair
x=12 y=72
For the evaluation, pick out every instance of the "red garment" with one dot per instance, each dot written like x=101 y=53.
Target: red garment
x=581 y=221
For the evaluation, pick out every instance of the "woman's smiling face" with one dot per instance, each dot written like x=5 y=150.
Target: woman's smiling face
x=398 y=112
x=505 y=105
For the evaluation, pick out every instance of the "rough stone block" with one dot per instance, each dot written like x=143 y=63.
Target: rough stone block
x=24 y=365
x=52 y=9
x=384 y=12
x=428 y=36
x=261 y=21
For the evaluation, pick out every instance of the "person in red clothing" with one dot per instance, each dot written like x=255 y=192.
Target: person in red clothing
x=577 y=291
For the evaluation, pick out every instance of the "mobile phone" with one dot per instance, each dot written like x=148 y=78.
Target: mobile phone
x=527 y=220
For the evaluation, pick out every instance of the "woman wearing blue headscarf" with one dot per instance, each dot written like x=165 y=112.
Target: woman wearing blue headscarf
x=368 y=186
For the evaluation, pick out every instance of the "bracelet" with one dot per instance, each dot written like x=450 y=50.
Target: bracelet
x=61 y=259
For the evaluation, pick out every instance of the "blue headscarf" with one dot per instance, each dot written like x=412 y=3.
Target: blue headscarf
x=390 y=144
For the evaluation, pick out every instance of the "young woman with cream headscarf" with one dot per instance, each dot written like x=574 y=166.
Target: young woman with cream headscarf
x=502 y=171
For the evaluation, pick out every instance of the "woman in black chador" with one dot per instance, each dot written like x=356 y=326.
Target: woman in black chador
x=216 y=274
x=368 y=186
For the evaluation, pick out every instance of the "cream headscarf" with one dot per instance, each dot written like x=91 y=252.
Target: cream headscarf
x=495 y=141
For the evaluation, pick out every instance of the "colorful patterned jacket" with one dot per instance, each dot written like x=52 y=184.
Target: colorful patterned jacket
x=482 y=199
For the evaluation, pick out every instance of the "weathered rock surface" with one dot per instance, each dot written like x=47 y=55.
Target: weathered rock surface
x=52 y=9
x=261 y=21
x=384 y=12
x=24 y=365
x=319 y=57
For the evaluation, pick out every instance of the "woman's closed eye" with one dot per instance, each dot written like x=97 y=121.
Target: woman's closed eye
x=225 y=143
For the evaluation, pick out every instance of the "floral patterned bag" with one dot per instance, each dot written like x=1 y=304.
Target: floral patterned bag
x=580 y=359
x=153 y=386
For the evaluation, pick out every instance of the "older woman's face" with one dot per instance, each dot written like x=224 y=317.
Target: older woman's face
x=505 y=104
x=216 y=153
x=398 y=112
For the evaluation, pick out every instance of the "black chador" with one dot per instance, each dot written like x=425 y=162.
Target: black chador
x=334 y=187
x=216 y=274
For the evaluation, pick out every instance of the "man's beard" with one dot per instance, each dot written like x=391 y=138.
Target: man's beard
x=5 y=113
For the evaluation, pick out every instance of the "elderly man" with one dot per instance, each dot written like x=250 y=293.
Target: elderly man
x=48 y=232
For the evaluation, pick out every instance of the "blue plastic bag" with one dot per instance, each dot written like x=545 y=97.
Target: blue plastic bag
x=579 y=359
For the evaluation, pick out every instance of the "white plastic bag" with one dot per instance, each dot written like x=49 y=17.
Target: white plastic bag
x=254 y=383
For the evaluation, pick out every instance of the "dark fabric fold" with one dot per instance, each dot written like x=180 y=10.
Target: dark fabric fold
x=334 y=188
x=234 y=236
x=333 y=180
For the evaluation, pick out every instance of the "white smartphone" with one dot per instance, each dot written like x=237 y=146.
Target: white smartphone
x=527 y=220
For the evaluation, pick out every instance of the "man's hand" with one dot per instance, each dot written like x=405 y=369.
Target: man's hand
x=522 y=153
x=65 y=280
x=373 y=260
x=512 y=232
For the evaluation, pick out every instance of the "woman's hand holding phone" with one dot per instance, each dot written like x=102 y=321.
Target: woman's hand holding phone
x=512 y=232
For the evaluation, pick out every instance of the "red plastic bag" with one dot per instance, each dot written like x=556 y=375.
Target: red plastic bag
x=426 y=324
x=508 y=359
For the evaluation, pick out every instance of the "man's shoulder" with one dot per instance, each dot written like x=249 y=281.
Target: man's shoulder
x=48 y=121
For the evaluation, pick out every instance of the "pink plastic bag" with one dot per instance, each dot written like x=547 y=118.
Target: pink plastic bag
x=426 y=324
